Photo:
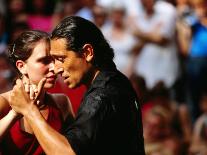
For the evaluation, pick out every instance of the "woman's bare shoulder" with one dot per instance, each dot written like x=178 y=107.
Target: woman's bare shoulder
x=60 y=99
x=63 y=103
x=4 y=103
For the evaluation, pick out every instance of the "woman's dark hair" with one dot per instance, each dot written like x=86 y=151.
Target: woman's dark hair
x=78 y=32
x=23 y=46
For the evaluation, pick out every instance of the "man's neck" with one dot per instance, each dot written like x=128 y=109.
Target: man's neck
x=94 y=74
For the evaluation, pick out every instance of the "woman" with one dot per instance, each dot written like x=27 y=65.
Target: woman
x=30 y=56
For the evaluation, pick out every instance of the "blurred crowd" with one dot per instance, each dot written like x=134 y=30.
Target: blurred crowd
x=160 y=45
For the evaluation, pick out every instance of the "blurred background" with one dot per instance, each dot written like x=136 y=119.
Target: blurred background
x=160 y=45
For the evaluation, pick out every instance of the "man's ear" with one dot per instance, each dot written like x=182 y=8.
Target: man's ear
x=88 y=52
x=21 y=66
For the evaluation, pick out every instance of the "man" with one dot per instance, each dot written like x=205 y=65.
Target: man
x=109 y=118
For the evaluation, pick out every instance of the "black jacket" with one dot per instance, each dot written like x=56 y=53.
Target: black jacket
x=109 y=119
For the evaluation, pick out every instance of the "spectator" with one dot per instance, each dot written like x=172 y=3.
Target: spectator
x=40 y=15
x=157 y=59
x=159 y=136
x=117 y=32
x=192 y=39
x=3 y=35
x=199 y=142
x=6 y=74
x=100 y=16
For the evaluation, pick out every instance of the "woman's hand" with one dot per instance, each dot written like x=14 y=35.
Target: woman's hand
x=31 y=89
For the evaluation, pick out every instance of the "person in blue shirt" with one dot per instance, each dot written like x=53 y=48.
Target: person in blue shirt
x=193 y=40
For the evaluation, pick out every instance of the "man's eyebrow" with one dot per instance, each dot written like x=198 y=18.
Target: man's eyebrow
x=58 y=56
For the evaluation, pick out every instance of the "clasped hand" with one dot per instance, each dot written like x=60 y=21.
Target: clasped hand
x=24 y=95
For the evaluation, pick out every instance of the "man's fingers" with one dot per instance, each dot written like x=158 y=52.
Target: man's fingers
x=40 y=87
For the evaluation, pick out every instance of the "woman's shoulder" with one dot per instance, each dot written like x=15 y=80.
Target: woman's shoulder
x=60 y=98
x=63 y=103
x=4 y=103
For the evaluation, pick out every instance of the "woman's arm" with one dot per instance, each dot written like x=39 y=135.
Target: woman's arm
x=7 y=120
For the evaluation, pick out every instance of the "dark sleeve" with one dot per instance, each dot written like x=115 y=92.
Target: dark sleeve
x=67 y=122
x=82 y=134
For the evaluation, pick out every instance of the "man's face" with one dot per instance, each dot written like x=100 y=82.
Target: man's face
x=70 y=65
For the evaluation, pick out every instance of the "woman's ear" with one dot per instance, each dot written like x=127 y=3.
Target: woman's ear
x=88 y=52
x=21 y=66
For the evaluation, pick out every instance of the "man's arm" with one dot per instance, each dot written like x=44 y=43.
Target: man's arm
x=51 y=141
x=184 y=36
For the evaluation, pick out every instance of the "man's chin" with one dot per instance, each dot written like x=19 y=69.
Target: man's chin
x=73 y=86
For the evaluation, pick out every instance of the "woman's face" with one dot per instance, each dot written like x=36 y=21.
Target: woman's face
x=40 y=64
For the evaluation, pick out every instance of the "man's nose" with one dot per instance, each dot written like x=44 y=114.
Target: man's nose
x=52 y=66
x=58 y=69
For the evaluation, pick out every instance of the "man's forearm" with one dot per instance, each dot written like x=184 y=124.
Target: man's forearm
x=51 y=141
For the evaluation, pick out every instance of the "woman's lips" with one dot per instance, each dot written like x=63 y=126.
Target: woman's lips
x=51 y=78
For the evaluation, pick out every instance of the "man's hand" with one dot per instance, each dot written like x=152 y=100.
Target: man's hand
x=20 y=100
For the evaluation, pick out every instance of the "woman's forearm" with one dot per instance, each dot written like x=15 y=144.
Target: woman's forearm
x=7 y=122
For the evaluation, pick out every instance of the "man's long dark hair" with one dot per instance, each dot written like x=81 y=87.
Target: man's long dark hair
x=78 y=32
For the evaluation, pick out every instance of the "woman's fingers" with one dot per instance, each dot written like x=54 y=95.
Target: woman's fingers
x=26 y=83
x=40 y=87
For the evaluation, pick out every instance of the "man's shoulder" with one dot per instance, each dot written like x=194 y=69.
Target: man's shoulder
x=112 y=87
x=109 y=82
x=116 y=78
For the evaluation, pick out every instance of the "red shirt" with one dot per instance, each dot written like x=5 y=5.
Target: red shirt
x=19 y=142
